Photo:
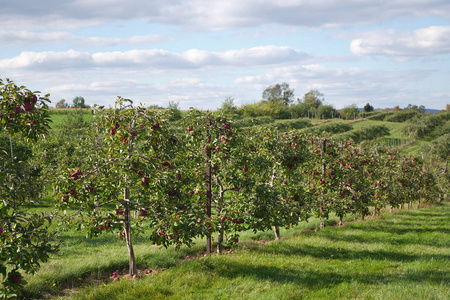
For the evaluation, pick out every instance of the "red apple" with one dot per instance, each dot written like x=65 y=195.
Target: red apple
x=16 y=279
x=28 y=107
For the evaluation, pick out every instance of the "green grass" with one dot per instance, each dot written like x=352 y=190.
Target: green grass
x=404 y=255
x=395 y=129
x=59 y=119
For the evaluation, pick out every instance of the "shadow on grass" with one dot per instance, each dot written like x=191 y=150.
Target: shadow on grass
x=405 y=228
x=318 y=279
x=329 y=253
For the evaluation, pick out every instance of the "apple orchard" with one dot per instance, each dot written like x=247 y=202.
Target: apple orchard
x=202 y=176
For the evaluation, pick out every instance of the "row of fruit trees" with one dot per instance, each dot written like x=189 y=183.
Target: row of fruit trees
x=202 y=178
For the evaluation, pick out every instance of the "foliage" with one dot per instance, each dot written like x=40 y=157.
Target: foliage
x=420 y=109
x=290 y=124
x=349 y=112
x=229 y=109
x=368 y=108
x=130 y=165
x=329 y=128
x=372 y=113
x=174 y=111
x=313 y=99
x=363 y=133
x=250 y=122
x=278 y=93
x=78 y=102
x=252 y=110
x=276 y=110
x=422 y=125
x=401 y=116
x=62 y=104
x=24 y=238
x=380 y=116
x=327 y=112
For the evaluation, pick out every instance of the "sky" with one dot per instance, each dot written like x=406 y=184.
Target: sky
x=197 y=53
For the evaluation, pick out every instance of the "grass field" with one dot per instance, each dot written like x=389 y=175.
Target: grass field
x=403 y=255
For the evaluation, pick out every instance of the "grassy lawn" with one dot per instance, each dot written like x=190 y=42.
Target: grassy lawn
x=58 y=119
x=403 y=255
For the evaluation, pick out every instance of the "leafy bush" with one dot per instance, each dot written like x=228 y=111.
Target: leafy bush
x=331 y=128
x=252 y=110
x=290 y=124
x=364 y=133
x=380 y=116
x=442 y=130
x=66 y=111
x=247 y=122
x=372 y=113
x=401 y=116
x=424 y=125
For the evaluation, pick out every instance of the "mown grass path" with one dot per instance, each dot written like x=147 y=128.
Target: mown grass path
x=403 y=255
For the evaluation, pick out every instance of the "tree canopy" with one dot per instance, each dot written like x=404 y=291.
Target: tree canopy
x=78 y=102
x=279 y=93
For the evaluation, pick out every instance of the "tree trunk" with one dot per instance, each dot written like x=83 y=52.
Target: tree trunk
x=132 y=270
x=12 y=161
x=220 y=241
x=322 y=223
x=208 y=198
x=276 y=230
x=341 y=221
x=362 y=216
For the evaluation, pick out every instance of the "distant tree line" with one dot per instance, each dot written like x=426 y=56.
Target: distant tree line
x=77 y=102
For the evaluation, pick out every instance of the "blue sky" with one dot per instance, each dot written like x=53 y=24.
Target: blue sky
x=197 y=53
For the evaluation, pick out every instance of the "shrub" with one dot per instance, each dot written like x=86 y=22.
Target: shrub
x=402 y=116
x=247 y=122
x=363 y=133
x=291 y=124
x=331 y=128
x=380 y=116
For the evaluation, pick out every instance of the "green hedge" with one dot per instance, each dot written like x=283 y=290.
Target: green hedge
x=69 y=111
x=423 y=125
x=363 y=133
x=248 y=122
x=380 y=116
x=402 y=116
x=331 y=128
x=290 y=124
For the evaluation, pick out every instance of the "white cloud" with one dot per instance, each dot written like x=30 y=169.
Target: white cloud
x=213 y=14
x=153 y=58
x=403 y=44
x=23 y=37
x=49 y=60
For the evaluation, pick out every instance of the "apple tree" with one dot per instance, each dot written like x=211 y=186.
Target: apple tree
x=280 y=198
x=218 y=174
x=25 y=238
x=132 y=177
